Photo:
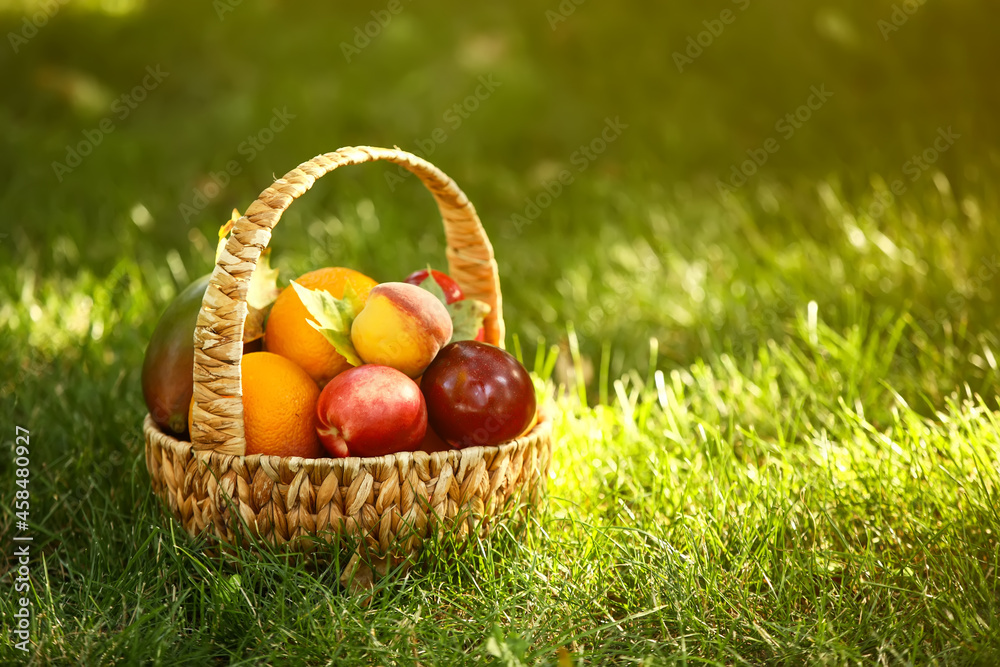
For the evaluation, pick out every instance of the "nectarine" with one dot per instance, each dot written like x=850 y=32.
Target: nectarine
x=371 y=411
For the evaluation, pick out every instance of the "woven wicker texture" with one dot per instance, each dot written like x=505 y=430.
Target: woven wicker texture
x=387 y=504
x=390 y=503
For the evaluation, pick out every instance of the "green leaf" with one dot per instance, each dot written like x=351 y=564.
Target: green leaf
x=263 y=288
x=432 y=286
x=332 y=317
x=467 y=315
x=467 y=318
x=511 y=651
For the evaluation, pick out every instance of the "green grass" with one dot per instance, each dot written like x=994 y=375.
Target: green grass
x=777 y=428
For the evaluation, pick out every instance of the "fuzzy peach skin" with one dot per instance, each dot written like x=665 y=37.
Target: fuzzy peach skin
x=402 y=326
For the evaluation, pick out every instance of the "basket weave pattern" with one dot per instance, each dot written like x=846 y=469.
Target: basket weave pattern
x=387 y=504
x=390 y=502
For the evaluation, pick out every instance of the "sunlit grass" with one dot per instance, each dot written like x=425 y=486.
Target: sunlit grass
x=780 y=497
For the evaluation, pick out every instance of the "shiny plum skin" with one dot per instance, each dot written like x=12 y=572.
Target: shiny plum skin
x=477 y=394
x=452 y=292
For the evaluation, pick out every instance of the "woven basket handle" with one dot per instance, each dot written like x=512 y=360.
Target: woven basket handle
x=217 y=413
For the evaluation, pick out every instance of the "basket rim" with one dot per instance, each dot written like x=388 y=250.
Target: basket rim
x=542 y=430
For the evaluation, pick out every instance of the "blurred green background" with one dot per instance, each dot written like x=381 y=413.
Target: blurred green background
x=642 y=244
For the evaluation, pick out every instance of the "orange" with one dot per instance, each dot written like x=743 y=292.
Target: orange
x=279 y=407
x=289 y=333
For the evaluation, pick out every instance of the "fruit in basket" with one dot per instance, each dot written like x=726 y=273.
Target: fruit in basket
x=371 y=410
x=402 y=326
x=466 y=315
x=289 y=333
x=168 y=364
x=452 y=292
x=167 y=369
x=433 y=442
x=279 y=407
x=477 y=394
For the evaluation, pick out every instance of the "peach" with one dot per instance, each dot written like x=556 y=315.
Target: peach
x=402 y=326
x=371 y=411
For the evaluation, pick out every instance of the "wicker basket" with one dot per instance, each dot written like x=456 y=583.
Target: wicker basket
x=385 y=506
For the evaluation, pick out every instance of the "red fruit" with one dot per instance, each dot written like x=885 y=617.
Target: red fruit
x=432 y=442
x=452 y=292
x=477 y=394
x=371 y=410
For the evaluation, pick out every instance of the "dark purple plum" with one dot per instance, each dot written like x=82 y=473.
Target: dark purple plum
x=477 y=394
